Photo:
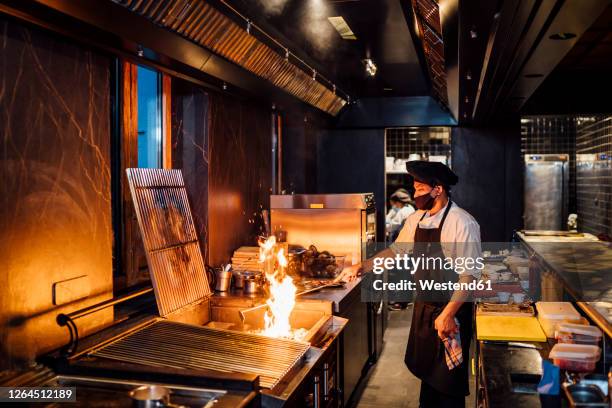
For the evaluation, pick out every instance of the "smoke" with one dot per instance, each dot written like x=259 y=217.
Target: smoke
x=315 y=26
x=273 y=7
x=310 y=21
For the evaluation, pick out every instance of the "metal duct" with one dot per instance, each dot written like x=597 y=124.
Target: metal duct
x=201 y=23
x=428 y=21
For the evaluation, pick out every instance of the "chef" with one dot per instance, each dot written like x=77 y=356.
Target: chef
x=439 y=228
x=400 y=210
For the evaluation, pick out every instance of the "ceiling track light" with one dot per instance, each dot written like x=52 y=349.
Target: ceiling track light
x=334 y=88
x=314 y=74
x=248 y=27
x=140 y=51
x=287 y=54
x=468 y=75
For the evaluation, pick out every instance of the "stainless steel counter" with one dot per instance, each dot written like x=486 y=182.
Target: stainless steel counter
x=583 y=266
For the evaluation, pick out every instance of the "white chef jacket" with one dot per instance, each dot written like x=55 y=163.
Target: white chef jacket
x=460 y=235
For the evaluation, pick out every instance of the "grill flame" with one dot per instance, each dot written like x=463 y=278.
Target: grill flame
x=282 y=290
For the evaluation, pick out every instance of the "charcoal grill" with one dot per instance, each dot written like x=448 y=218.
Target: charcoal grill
x=198 y=333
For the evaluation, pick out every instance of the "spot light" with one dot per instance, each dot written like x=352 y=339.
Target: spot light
x=248 y=27
x=140 y=51
x=468 y=75
x=314 y=75
x=370 y=67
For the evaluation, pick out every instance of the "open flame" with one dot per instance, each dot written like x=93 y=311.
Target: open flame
x=282 y=290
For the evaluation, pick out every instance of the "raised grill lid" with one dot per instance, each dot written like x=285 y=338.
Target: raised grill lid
x=169 y=237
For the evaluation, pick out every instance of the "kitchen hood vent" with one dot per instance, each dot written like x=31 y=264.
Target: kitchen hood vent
x=427 y=14
x=206 y=26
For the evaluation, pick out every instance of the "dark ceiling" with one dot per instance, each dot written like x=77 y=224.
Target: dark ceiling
x=382 y=35
x=593 y=51
x=581 y=82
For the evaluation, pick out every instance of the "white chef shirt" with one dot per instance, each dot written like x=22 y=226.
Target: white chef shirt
x=460 y=235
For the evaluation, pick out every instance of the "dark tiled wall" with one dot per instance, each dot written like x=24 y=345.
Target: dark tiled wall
x=55 y=211
x=552 y=135
x=594 y=173
x=401 y=142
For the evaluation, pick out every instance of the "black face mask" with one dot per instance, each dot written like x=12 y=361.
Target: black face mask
x=424 y=202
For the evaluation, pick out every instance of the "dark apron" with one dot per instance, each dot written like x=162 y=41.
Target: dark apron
x=425 y=356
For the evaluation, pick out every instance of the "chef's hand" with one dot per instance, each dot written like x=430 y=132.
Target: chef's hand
x=349 y=273
x=446 y=326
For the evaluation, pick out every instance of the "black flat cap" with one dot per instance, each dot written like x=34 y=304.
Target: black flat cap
x=432 y=173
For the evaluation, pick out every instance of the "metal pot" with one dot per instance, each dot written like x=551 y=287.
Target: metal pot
x=252 y=282
x=238 y=277
x=150 y=396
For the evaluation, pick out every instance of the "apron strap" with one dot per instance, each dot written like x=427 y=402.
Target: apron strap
x=448 y=206
x=450 y=203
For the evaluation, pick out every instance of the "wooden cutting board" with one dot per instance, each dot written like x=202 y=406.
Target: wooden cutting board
x=498 y=309
x=509 y=328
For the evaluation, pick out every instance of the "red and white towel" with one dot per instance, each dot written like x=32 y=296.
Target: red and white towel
x=453 y=350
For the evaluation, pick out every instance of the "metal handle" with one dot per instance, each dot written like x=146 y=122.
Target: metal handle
x=68 y=319
x=326 y=382
x=316 y=401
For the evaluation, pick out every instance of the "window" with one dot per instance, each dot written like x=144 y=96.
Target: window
x=142 y=123
x=148 y=83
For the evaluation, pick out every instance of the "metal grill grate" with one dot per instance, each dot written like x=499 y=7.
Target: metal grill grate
x=184 y=346
x=169 y=237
